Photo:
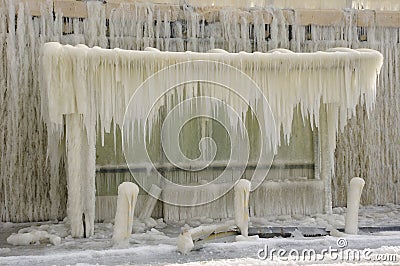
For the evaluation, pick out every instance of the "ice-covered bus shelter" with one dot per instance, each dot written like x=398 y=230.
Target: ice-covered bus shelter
x=86 y=90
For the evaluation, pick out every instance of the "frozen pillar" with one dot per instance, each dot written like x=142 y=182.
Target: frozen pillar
x=154 y=195
x=241 y=198
x=55 y=150
x=327 y=140
x=127 y=197
x=81 y=171
x=353 y=204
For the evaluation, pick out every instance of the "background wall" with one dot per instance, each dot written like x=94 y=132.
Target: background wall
x=32 y=189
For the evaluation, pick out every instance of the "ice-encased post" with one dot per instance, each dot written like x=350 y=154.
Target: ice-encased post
x=81 y=172
x=353 y=204
x=241 y=198
x=154 y=195
x=127 y=197
x=327 y=140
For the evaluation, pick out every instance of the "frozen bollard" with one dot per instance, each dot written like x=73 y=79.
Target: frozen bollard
x=154 y=195
x=353 y=204
x=127 y=197
x=185 y=242
x=241 y=198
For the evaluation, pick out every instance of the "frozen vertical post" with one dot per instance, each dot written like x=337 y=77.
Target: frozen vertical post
x=127 y=197
x=89 y=181
x=241 y=198
x=81 y=160
x=353 y=204
x=327 y=139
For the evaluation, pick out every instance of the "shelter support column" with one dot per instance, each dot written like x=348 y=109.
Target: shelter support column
x=327 y=144
x=81 y=172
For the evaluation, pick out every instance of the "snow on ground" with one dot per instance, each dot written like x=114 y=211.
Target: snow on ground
x=154 y=243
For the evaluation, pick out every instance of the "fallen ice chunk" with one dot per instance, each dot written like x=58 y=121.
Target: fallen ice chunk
x=55 y=240
x=25 y=239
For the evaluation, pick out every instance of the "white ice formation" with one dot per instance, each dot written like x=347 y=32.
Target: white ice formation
x=241 y=198
x=98 y=83
x=127 y=197
x=353 y=205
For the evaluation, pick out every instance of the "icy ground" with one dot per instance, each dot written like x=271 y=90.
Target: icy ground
x=154 y=243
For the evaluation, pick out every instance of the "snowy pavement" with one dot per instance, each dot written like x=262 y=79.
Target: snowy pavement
x=154 y=243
